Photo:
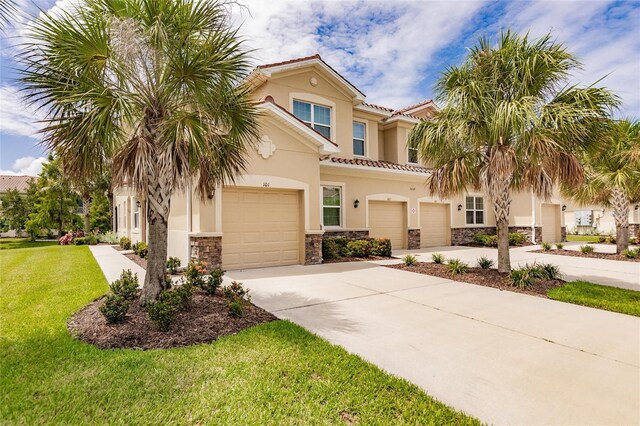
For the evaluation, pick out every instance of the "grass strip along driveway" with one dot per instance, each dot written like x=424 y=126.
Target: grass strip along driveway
x=275 y=373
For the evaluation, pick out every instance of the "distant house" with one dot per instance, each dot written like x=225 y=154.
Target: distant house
x=9 y=182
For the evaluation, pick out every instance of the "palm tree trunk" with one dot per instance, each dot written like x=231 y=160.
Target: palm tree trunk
x=620 y=204
x=158 y=198
x=501 y=203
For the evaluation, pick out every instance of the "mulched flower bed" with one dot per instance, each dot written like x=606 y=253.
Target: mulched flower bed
x=206 y=321
x=594 y=255
x=479 y=276
x=525 y=244
x=138 y=260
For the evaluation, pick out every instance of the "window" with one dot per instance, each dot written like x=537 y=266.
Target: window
x=412 y=154
x=331 y=205
x=358 y=139
x=475 y=210
x=136 y=214
x=316 y=116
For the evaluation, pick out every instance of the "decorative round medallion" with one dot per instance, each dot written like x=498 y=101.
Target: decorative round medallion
x=313 y=81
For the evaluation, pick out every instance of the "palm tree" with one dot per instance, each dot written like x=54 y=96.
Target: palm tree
x=509 y=122
x=7 y=9
x=153 y=86
x=613 y=175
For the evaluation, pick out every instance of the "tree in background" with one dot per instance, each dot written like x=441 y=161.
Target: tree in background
x=613 y=175
x=154 y=86
x=510 y=122
x=15 y=211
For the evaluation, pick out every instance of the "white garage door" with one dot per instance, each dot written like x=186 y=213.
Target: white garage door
x=260 y=228
x=434 y=225
x=387 y=220
x=550 y=223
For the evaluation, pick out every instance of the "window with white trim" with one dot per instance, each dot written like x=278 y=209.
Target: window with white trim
x=331 y=206
x=474 y=210
x=412 y=155
x=358 y=139
x=316 y=116
x=136 y=214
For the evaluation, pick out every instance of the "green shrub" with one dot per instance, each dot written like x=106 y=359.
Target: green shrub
x=602 y=239
x=173 y=263
x=195 y=272
x=522 y=277
x=611 y=239
x=586 y=249
x=410 y=260
x=110 y=237
x=485 y=263
x=437 y=258
x=330 y=248
x=559 y=246
x=631 y=253
x=235 y=291
x=546 y=246
x=486 y=240
x=236 y=308
x=552 y=272
x=516 y=238
x=163 y=312
x=213 y=282
x=126 y=286
x=125 y=243
x=184 y=293
x=80 y=241
x=456 y=266
x=141 y=249
x=359 y=248
x=91 y=240
x=381 y=247
x=633 y=240
x=114 y=309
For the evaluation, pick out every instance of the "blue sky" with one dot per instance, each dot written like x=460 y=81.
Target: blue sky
x=393 y=51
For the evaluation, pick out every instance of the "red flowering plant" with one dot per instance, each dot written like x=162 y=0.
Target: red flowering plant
x=69 y=237
x=196 y=270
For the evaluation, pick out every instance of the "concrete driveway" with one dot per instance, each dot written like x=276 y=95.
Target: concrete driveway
x=504 y=357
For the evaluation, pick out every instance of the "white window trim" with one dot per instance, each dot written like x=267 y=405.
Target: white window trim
x=343 y=215
x=365 y=145
x=318 y=100
x=409 y=156
x=484 y=210
x=136 y=211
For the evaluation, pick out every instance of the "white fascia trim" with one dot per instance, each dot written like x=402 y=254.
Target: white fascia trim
x=371 y=110
x=421 y=107
x=328 y=163
x=325 y=146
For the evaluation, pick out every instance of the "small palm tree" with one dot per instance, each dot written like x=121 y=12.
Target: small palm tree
x=153 y=86
x=509 y=123
x=613 y=175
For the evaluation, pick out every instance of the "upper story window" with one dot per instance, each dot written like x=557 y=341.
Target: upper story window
x=412 y=155
x=136 y=214
x=316 y=116
x=331 y=205
x=358 y=139
x=474 y=210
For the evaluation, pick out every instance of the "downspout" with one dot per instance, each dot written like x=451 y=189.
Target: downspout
x=189 y=221
x=533 y=218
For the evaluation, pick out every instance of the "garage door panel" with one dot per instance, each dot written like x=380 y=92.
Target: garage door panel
x=434 y=225
x=550 y=223
x=387 y=220
x=260 y=228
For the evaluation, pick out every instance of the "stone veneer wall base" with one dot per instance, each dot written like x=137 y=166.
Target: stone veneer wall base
x=413 y=239
x=460 y=236
x=312 y=249
x=206 y=249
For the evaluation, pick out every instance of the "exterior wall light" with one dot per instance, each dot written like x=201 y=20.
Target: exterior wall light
x=356 y=203
x=564 y=208
x=459 y=207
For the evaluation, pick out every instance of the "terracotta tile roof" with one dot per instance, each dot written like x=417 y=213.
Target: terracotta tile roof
x=410 y=107
x=21 y=183
x=380 y=164
x=380 y=107
x=291 y=61
x=270 y=99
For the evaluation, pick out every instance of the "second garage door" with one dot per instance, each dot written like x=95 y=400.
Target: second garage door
x=434 y=225
x=260 y=228
x=550 y=223
x=387 y=220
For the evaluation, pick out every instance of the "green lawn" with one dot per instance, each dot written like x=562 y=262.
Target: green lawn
x=275 y=373
x=13 y=243
x=583 y=238
x=598 y=296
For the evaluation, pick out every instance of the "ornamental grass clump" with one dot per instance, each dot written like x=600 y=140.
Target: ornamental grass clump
x=457 y=267
x=631 y=253
x=437 y=258
x=587 y=249
x=546 y=246
x=485 y=262
x=410 y=260
x=559 y=246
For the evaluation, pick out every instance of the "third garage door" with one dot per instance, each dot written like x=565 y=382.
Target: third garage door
x=260 y=227
x=434 y=225
x=387 y=220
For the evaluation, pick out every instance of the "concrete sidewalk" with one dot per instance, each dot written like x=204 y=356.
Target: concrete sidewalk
x=113 y=262
x=614 y=273
x=504 y=357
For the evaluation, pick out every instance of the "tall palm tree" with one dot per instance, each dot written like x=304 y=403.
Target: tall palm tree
x=7 y=10
x=155 y=87
x=613 y=175
x=509 y=122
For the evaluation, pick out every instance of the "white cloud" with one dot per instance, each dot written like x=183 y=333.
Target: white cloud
x=16 y=118
x=381 y=47
x=26 y=166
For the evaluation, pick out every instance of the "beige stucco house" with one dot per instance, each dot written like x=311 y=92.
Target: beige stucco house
x=328 y=163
